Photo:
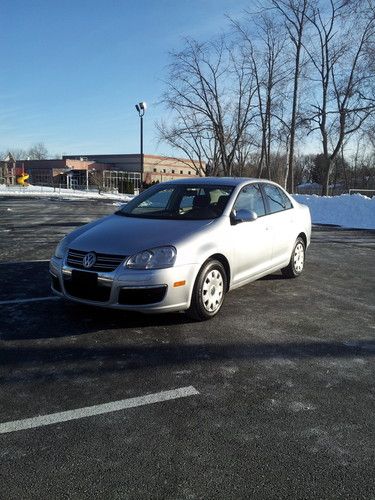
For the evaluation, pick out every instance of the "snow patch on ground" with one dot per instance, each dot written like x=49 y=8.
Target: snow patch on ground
x=50 y=192
x=347 y=210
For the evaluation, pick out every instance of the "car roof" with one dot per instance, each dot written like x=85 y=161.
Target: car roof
x=222 y=181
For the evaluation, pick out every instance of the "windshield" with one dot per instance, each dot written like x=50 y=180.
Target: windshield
x=180 y=201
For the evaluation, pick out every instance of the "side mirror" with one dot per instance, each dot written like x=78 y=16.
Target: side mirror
x=243 y=215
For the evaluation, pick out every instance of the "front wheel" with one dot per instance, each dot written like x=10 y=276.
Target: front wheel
x=297 y=260
x=209 y=290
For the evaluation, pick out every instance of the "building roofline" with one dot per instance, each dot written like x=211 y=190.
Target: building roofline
x=121 y=155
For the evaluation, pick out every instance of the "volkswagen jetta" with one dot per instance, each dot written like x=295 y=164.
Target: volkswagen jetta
x=182 y=245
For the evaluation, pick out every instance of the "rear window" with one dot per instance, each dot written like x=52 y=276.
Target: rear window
x=277 y=199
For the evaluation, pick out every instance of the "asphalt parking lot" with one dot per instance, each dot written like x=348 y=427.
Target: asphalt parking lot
x=280 y=401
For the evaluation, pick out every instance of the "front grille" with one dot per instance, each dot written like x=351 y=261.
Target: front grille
x=104 y=262
x=142 y=296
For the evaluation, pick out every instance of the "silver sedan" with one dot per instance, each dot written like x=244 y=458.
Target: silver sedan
x=182 y=245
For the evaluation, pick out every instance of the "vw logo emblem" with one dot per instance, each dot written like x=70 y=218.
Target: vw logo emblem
x=89 y=260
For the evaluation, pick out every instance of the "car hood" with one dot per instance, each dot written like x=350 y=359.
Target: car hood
x=128 y=235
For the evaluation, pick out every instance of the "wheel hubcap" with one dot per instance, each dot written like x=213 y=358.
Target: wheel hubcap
x=299 y=257
x=212 y=290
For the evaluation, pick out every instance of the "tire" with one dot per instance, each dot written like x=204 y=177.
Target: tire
x=209 y=291
x=297 y=260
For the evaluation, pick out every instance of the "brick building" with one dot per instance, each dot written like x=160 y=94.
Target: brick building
x=156 y=168
x=105 y=171
x=65 y=172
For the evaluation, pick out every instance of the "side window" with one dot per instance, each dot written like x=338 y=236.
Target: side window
x=277 y=200
x=250 y=198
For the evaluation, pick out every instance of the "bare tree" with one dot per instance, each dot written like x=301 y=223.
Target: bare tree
x=345 y=98
x=294 y=14
x=265 y=53
x=303 y=166
x=210 y=93
x=189 y=135
x=245 y=102
x=16 y=153
x=37 y=152
x=96 y=179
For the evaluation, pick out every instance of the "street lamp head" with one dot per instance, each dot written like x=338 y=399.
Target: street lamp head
x=141 y=108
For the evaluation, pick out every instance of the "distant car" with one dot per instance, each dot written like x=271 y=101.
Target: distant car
x=182 y=245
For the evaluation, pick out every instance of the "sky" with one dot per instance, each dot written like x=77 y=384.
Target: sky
x=72 y=70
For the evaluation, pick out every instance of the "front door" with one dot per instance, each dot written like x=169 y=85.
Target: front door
x=252 y=240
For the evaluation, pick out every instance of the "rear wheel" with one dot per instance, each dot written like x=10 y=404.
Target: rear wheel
x=297 y=260
x=209 y=290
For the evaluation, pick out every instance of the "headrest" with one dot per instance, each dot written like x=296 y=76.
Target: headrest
x=200 y=201
x=222 y=201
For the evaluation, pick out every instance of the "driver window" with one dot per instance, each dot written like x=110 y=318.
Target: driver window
x=250 y=198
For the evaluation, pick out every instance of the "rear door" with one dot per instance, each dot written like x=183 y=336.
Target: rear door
x=251 y=241
x=281 y=222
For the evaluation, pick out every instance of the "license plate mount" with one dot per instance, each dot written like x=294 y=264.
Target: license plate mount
x=84 y=278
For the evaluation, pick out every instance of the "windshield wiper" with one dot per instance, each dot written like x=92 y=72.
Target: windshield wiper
x=150 y=215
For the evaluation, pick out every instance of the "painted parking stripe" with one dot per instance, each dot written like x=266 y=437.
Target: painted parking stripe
x=25 y=301
x=90 y=411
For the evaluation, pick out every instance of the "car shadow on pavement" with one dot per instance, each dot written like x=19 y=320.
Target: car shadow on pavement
x=45 y=339
x=49 y=361
x=60 y=318
x=273 y=277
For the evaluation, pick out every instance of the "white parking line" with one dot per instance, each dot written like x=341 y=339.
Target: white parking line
x=89 y=411
x=25 y=301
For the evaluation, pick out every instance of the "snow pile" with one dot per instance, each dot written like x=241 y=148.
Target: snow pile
x=347 y=210
x=50 y=192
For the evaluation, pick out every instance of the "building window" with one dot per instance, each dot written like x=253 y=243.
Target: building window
x=164 y=171
x=154 y=169
x=181 y=171
x=189 y=172
x=172 y=171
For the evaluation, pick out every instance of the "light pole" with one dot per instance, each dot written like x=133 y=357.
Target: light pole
x=141 y=108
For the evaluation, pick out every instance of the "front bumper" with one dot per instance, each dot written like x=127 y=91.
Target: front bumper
x=150 y=290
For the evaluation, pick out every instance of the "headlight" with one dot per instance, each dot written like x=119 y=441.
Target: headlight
x=61 y=248
x=154 y=258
